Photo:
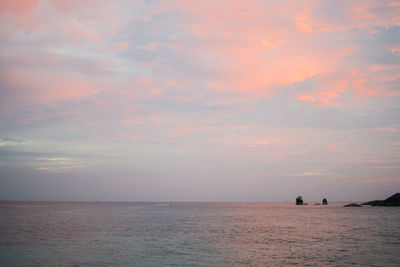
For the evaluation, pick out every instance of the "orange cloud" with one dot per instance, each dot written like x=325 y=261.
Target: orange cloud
x=266 y=141
x=322 y=99
x=303 y=22
x=390 y=129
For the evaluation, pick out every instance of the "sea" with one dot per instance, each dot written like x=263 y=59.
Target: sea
x=197 y=234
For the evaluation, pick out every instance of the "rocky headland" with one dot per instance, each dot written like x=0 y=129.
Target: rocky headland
x=392 y=201
x=352 y=205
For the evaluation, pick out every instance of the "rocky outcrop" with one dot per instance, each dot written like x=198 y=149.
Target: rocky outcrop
x=352 y=205
x=299 y=200
x=324 y=202
x=392 y=201
x=374 y=203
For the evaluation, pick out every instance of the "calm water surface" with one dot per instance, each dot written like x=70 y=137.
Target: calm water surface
x=197 y=234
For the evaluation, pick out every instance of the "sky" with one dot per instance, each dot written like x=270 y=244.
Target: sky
x=153 y=100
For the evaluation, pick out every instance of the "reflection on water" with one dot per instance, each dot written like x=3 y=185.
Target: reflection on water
x=205 y=234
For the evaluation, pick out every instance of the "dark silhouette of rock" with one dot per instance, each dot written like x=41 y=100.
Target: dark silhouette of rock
x=352 y=205
x=324 y=202
x=392 y=201
x=299 y=200
x=374 y=203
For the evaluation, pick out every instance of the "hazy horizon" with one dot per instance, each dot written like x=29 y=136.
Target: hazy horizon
x=154 y=100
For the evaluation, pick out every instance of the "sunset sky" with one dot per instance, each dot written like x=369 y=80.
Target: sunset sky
x=199 y=100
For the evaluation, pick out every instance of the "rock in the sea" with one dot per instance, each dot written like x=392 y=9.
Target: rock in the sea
x=392 y=201
x=324 y=202
x=352 y=205
x=299 y=200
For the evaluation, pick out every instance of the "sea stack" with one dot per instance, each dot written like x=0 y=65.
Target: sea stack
x=324 y=202
x=299 y=200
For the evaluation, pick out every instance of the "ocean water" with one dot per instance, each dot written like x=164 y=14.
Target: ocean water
x=197 y=234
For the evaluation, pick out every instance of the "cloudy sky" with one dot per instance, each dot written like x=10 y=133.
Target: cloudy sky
x=199 y=100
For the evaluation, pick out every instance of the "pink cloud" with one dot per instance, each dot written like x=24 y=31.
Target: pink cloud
x=43 y=86
x=78 y=30
x=299 y=152
x=67 y=21
x=335 y=147
x=256 y=55
x=365 y=13
x=394 y=4
x=18 y=7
